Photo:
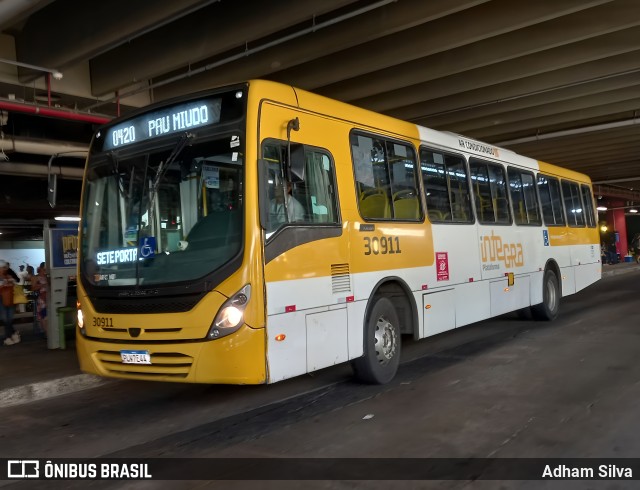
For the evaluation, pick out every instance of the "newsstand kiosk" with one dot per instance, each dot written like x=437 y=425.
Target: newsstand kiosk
x=61 y=252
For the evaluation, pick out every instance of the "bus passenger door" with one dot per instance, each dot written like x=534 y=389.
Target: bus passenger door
x=306 y=256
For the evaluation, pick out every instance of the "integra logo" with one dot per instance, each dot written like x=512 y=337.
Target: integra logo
x=495 y=250
x=139 y=292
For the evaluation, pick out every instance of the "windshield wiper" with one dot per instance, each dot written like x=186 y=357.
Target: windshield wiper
x=116 y=172
x=163 y=167
x=115 y=168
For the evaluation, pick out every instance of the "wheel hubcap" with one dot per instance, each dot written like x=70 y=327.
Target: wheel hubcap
x=552 y=296
x=386 y=340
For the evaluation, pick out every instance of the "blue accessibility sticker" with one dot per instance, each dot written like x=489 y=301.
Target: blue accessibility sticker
x=147 y=247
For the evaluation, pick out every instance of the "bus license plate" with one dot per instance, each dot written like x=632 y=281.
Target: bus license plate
x=135 y=357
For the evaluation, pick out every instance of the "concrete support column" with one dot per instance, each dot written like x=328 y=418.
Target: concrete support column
x=617 y=220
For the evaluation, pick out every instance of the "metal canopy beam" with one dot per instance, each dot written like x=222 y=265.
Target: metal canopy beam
x=561 y=31
x=227 y=26
x=61 y=35
x=556 y=80
x=498 y=17
x=601 y=48
x=373 y=25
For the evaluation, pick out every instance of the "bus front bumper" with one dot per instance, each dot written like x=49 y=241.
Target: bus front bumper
x=239 y=358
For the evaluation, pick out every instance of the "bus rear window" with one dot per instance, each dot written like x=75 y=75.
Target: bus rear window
x=587 y=200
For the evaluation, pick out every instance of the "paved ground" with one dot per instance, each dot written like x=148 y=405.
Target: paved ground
x=29 y=371
x=504 y=388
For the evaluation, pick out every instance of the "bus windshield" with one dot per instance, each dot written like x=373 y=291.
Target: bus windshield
x=161 y=216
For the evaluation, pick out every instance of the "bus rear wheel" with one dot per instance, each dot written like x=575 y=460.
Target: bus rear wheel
x=550 y=306
x=382 y=342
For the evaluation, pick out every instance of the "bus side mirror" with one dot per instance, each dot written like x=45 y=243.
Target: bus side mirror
x=296 y=164
x=295 y=153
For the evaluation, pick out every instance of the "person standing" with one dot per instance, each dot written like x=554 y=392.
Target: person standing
x=40 y=284
x=12 y=273
x=28 y=276
x=22 y=275
x=20 y=307
x=7 y=309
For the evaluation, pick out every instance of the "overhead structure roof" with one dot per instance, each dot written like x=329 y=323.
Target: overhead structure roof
x=556 y=80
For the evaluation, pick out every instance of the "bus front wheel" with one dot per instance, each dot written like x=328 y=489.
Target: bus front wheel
x=550 y=306
x=382 y=341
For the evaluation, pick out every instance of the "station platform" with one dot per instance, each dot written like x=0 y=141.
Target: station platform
x=29 y=371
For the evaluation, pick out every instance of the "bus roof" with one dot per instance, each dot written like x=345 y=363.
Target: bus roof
x=444 y=139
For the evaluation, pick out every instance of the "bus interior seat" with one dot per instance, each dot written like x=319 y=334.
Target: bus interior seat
x=437 y=215
x=406 y=205
x=371 y=192
x=374 y=206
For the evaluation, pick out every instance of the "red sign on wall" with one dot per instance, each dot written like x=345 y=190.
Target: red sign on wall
x=442 y=266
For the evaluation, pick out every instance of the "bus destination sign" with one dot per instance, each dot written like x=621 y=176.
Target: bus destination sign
x=165 y=121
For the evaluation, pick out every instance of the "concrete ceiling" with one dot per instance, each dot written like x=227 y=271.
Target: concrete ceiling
x=557 y=80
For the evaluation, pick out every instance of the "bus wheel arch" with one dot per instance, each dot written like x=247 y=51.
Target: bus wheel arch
x=402 y=298
x=551 y=293
x=390 y=313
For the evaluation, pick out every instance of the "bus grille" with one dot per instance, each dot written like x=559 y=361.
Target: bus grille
x=163 y=364
x=144 y=306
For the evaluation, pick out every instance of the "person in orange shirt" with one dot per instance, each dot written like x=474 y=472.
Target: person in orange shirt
x=7 y=308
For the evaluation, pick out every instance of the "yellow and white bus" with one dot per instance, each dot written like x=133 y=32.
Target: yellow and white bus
x=257 y=232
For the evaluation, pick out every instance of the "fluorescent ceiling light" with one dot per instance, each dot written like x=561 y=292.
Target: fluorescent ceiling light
x=601 y=208
x=67 y=218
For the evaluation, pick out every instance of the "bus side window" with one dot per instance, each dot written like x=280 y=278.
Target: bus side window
x=404 y=203
x=320 y=187
x=490 y=187
x=273 y=156
x=482 y=193
x=386 y=178
x=446 y=187
x=523 y=197
x=551 y=200
x=572 y=203
x=309 y=201
x=589 y=212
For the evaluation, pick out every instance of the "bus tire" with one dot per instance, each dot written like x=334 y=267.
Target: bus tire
x=382 y=342
x=550 y=306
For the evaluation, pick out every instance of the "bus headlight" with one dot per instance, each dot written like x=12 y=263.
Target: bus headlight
x=231 y=315
x=80 y=318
